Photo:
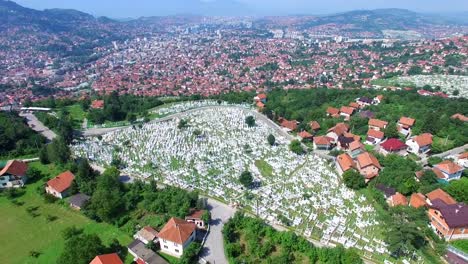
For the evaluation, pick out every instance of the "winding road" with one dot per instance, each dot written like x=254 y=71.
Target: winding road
x=37 y=125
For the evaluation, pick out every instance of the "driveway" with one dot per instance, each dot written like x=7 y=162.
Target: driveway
x=37 y=126
x=213 y=250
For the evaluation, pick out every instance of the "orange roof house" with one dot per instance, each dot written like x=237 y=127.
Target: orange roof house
x=60 y=185
x=406 y=121
x=448 y=170
x=290 y=125
x=398 y=199
x=339 y=129
x=377 y=124
x=323 y=142
x=424 y=139
x=344 y=163
x=417 y=200
x=368 y=165
x=107 y=259
x=305 y=135
x=460 y=117
x=439 y=194
x=346 y=110
x=314 y=125
x=354 y=105
x=333 y=112
x=177 y=230
x=97 y=104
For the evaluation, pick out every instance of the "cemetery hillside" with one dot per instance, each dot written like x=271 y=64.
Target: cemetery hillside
x=233 y=132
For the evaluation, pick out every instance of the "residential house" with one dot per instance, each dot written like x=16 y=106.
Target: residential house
x=343 y=142
x=405 y=124
x=346 y=112
x=107 y=259
x=97 y=104
x=449 y=221
x=13 y=175
x=439 y=194
x=289 y=125
x=344 y=163
x=368 y=165
x=364 y=101
x=304 y=135
x=377 y=124
x=323 y=143
x=354 y=105
x=315 y=126
x=374 y=137
x=333 y=112
x=397 y=199
x=60 y=185
x=417 y=200
x=448 y=170
x=261 y=98
x=338 y=130
x=78 y=201
x=355 y=148
x=377 y=100
x=393 y=146
x=176 y=235
x=260 y=105
x=460 y=117
x=462 y=159
x=420 y=144
x=146 y=235
x=196 y=218
x=144 y=255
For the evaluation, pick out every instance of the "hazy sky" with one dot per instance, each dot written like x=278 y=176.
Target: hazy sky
x=136 y=8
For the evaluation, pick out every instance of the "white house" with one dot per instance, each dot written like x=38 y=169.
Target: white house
x=176 y=235
x=462 y=159
x=13 y=174
x=60 y=185
x=420 y=144
x=448 y=170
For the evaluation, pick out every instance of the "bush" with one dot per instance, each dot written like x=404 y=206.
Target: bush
x=353 y=180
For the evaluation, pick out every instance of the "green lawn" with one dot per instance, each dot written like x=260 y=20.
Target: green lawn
x=265 y=169
x=169 y=258
x=461 y=244
x=77 y=114
x=22 y=233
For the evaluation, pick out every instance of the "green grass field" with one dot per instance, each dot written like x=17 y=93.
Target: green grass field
x=22 y=233
x=77 y=114
x=265 y=169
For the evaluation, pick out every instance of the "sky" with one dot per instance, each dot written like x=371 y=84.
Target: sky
x=138 y=8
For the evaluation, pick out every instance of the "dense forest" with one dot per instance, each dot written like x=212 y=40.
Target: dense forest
x=16 y=138
x=250 y=240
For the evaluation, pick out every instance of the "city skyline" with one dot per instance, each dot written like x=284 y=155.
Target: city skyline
x=127 y=9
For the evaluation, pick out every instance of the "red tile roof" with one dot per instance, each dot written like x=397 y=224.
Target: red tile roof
x=347 y=110
x=423 y=139
x=339 y=129
x=406 y=121
x=449 y=167
x=289 y=124
x=345 y=162
x=177 y=230
x=107 y=259
x=366 y=159
x=333 y=111
x=375 y=134
x=96 y=104
x=15 y=167
x=305 y=135
x=398 y=199
x=377 y=123
x=417 y=200
x=314 y=125
x=460 y=117
x=393 y=144
x=322 y=140
x=62 y=182
x=440 y=194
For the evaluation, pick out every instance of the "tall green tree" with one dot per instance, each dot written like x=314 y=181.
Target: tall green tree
x=246 y=179
x=353 y=179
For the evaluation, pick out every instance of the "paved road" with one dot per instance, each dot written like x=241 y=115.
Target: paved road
x=213 y=250
x=451 y=152
x=37 y=126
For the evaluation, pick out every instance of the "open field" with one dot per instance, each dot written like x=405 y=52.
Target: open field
x=22 y=233
x=301 y=192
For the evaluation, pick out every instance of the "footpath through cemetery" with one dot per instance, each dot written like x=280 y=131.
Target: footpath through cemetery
x=208 y=149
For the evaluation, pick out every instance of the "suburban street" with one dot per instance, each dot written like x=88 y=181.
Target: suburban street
x=451 y=152
x=37 y=126
x=213 y=250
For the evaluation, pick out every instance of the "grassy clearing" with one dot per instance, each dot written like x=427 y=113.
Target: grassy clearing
x=265 y=169
x=22 y=232
x=77 y=114
x=461 y=244
x=169 y=258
